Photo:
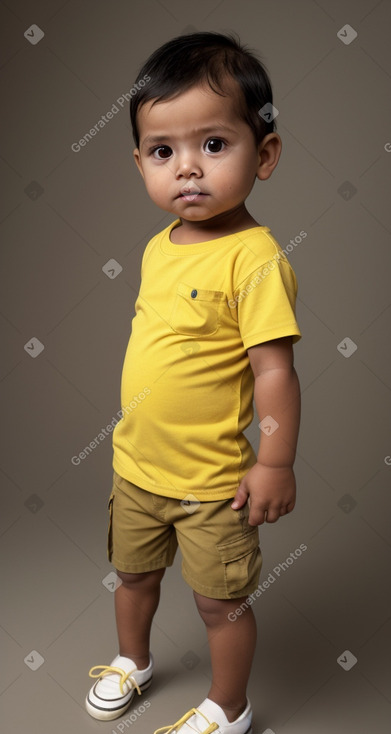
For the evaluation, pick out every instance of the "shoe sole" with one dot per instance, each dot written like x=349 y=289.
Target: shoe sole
x=110 y=714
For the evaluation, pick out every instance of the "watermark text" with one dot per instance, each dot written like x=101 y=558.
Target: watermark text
x=109 y=115
x=104 y=432
x=272 y=577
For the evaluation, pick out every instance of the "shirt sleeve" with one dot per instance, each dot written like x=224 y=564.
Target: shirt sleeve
x=266 y=301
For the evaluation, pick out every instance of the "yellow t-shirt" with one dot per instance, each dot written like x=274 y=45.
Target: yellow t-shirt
x=187 y=384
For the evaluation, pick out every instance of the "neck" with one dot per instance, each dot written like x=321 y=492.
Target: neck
x=210 y=229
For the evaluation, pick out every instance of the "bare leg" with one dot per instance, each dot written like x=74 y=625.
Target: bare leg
x=232 y=646
x=136 y=601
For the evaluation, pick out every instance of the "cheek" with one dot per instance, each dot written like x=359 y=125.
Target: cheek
x=154 y=187
x=157 y=178
x=224 y=176
x=158 y=192
x=233 y=181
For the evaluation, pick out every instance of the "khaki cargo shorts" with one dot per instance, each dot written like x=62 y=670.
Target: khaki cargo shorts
x=221 y=558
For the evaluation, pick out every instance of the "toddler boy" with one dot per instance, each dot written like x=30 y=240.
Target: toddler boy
x=213 y=329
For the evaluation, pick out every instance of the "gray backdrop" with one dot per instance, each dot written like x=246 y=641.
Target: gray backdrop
x=322 y=660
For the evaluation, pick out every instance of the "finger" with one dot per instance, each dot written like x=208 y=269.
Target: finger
x=253 y=521
x=272 y=515
x=257 y=517
x=240 y=498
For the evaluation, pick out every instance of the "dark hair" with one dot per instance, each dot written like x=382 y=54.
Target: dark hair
x=191 y=59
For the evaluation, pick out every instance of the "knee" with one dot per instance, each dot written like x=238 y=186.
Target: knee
x=147 y=580
x=214 y=612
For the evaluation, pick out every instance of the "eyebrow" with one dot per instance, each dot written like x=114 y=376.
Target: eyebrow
x=153 y=139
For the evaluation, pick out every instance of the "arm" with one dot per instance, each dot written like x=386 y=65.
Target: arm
x=270 y=484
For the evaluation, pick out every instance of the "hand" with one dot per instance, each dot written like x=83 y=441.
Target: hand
x=270 y=491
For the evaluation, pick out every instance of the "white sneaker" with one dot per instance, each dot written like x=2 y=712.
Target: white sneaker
x=207 y=718
x=114 y=690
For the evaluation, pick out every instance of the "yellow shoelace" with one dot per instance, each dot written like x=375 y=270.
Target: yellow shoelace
x=124 y=677
x=174 y=727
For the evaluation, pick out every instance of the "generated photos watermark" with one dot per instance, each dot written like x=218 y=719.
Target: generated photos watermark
x=132 y=718
x=267 y=268
x=104 y=432
x=109 y=115
x=272 y=577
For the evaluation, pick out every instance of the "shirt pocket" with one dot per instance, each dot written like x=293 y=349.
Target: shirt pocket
x=196 y=311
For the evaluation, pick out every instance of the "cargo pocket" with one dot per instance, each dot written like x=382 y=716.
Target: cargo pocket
x=110 y=529
x=196 y=311
x=242 y=562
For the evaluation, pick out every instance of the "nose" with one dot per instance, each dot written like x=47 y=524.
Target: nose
x=187 y=166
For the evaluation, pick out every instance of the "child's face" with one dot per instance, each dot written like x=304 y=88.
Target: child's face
x=198 y=158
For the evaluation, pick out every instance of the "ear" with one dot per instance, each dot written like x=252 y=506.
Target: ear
x=137 y=158
x=269 y=151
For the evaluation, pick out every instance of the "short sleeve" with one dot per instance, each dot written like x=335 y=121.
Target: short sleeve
x=266 y=301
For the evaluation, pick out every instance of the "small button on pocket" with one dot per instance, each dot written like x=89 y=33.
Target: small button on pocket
x=196 y=311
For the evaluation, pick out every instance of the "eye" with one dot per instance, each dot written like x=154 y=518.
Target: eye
x=162 y=152
x=214 y=145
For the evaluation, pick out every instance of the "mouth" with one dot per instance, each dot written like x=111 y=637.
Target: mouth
x=191 y=193
x=191 y=197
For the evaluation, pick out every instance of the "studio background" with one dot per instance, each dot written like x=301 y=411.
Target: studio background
x=322 y=659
